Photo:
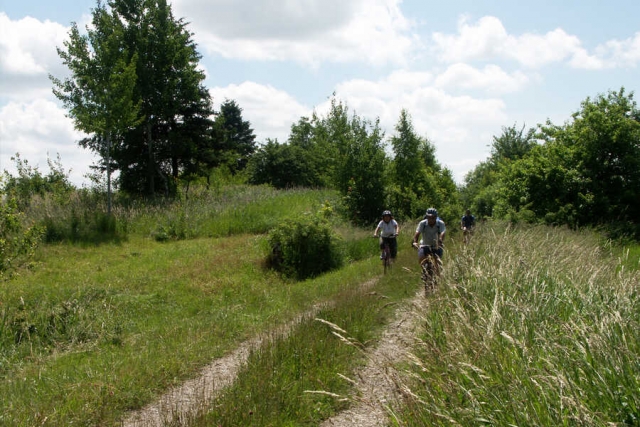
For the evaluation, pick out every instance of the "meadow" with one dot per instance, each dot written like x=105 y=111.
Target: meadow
x=529 y=326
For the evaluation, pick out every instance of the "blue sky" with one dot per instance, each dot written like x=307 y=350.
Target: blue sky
x=463 y=70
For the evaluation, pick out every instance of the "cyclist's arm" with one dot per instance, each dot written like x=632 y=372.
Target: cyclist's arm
x=415 y=238
x=375 y=233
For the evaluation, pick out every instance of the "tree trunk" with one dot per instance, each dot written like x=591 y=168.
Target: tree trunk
x=150 y=166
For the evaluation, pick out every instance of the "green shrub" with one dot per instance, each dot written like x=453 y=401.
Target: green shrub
x=304 y=247
x=18 y=241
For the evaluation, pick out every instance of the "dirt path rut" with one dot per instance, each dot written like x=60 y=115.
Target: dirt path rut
x=375 y=383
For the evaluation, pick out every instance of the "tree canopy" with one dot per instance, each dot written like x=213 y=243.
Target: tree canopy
x=585 y=172
x=135 y=82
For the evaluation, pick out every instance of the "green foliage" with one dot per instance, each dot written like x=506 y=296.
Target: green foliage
x=58 y=210
x=237 y=142
x=304 y=247
x=283 y=166
x=418 y=179
x=31 y=182
x=585 y=174
x=136 y=88
x=482 y=189
x=364 y=165
x=340 y=151
x=18 y=241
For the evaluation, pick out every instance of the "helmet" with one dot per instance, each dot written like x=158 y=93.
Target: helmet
x=432 y=212
x=386 y=213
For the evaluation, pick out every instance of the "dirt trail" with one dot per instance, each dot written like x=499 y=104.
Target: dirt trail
x=376 y=383
x=188 y=400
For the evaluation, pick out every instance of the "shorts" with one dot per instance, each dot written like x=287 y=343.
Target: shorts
x=426 y=250
x=393 y=245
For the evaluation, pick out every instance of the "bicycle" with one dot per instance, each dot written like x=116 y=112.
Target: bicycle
x=386 y=253
x=467 y=233
x=431 y=267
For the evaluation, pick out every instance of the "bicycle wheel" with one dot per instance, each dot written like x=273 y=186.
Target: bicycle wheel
x=386 y=261
x=428 y=274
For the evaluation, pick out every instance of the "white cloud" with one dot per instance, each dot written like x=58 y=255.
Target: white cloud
x=256 y=19
x=270 y=111
x=482 y=41
x=27 y=55
x=491 y=79
x=38 y=130
x=306 y=31
x=488 y=40
x=620 y=53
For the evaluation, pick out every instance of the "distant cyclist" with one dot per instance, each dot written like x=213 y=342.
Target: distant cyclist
x=467 y=223
x=388 y=229
x=431 y=232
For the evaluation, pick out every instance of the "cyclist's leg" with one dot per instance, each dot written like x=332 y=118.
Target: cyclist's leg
x=438 y=254
x=422 y=254
x=393 y=247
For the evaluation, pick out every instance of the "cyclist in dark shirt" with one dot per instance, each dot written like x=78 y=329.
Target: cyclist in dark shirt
x=467 y=223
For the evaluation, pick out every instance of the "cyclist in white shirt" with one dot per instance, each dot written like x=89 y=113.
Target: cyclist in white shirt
x=388 y=229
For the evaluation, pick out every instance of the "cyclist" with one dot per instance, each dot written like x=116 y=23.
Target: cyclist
x=432 y=230
x=387 y=229
x=467 y=223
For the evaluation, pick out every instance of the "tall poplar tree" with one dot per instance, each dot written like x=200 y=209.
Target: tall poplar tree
x=147 y=54
x=100 y=94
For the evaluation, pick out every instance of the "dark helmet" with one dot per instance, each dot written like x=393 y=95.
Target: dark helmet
x=431 y=212
x=386 y=213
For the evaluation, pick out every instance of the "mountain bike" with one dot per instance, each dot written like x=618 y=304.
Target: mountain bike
x=467 y=232
x=431 y=267
x=386 y=253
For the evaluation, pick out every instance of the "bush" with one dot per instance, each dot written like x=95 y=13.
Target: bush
x=18 y=241
x=304 y=247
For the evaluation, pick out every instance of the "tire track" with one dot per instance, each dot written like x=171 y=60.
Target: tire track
x=377 y=381
x=186 y=401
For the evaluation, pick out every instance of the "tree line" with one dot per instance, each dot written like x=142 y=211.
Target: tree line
x=136 y=88
x=585 y=172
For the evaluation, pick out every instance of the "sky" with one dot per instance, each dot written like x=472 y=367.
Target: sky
x=463 y=70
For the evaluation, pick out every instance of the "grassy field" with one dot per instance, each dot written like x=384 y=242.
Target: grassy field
x=530 y=326
x=536 y=326
x=90 y=332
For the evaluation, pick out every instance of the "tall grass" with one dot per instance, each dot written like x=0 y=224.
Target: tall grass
x=535 y=326
x=200 y=212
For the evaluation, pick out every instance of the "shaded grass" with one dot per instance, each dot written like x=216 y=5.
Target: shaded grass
x=537 y=326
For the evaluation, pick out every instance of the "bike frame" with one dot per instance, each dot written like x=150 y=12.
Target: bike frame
x=386 y=256
x=431 y=267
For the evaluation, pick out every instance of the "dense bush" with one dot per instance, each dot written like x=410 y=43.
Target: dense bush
x=18 y=241
x=304 y=247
